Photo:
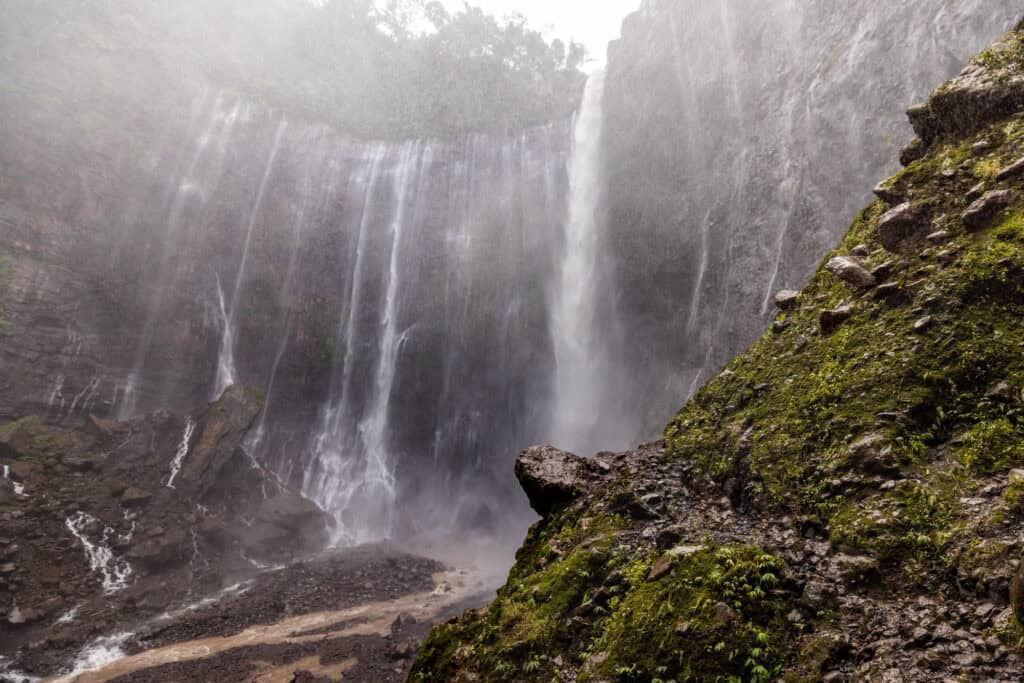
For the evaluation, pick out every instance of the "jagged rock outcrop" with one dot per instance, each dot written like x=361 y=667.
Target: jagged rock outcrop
x=878 y=534
x=989 y=89
x=551 y=477
x=221 y=431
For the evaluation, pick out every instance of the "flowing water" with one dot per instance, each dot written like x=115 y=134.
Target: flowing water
x=114 y=571
x=582 y=374
x=416 y=312
x=182 y=452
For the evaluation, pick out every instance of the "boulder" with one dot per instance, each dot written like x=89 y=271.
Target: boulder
x=1014 y=170
x=163 y=552
x=873 y=455
x=888 y=193
x=851 y=272
x=989 y=89
x=82 y=462
x=551 y=477
x=135 y=497
x=985 y=209
x=899 y=225
x=913 y=152
x=831 y=319
x=293 y=512
x=787 y=299
x=221 y=431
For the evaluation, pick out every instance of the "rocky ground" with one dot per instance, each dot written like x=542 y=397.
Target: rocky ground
x=108 y=526
x=845 y=501
x=357 y=614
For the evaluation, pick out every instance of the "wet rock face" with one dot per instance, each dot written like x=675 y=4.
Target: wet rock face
x=87 y=517
x=551 y=477
x=736 y=160
x=222 y=430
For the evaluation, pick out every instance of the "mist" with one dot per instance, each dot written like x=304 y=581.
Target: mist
x=283 y=280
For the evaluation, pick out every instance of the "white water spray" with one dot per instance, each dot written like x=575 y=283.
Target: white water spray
x=179 y=457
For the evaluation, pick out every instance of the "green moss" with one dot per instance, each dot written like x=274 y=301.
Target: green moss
x=993 y=446
x=717 y=616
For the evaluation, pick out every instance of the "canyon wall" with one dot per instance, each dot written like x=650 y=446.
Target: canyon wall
x=741 y=138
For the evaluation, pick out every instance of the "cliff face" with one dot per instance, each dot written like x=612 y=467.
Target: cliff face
x=842 y=502
x=739 y=137
x=154 y=251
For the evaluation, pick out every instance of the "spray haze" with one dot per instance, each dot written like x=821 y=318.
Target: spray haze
x=423 y=232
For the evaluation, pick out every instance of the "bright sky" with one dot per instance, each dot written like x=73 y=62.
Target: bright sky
x=591 y=22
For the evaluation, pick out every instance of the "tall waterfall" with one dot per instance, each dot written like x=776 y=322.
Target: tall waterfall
x=582 y=373
x=417 y=312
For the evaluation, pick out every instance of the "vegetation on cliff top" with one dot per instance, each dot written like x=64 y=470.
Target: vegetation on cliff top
x=880 y=420
x=404 y=68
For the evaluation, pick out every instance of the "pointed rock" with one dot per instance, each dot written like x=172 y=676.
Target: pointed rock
x=888 y=193
x=552 y=477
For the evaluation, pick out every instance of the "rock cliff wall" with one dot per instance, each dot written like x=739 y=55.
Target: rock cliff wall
x=740 y=136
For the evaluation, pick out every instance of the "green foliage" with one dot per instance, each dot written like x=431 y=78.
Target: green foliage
x=993 y=446
x=396 y=69
x=718 y=616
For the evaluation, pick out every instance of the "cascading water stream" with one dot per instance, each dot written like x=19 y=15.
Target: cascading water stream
x=354 y=477
x=189 y=185
x=114 y=571
x=227 y=374
x=182 y=453
x=19 y=489
x=580 y=375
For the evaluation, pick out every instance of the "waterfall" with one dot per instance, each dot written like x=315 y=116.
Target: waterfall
x=226 y=372
x=194 y=184
x=114 y=571
x=179 y=456
x=581 y=374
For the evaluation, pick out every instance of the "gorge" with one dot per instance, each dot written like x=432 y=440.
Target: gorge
x=225 y=299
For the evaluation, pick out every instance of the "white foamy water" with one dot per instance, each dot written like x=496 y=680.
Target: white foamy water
x=115 y=571
x=96 y=655
x=19 y=489
x=179 y=457
x=69 y=616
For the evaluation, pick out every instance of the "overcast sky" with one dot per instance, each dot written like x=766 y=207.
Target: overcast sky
x=591 y=22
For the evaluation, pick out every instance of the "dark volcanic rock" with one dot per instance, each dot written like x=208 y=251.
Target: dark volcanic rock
x=221 y=432
x=985 y=209
x=552 y=477
x=899 y=225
